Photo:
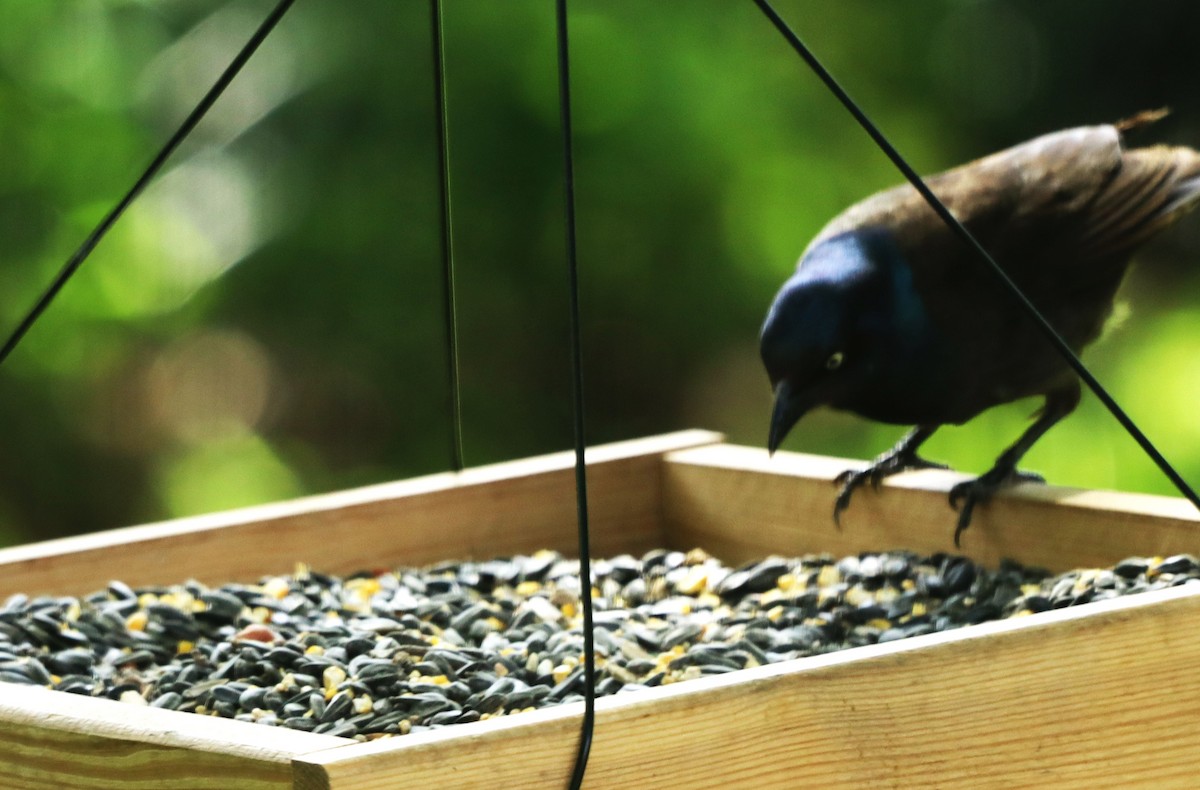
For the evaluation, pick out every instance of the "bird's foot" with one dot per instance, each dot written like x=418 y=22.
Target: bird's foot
x=966 y=495
x=890 y=463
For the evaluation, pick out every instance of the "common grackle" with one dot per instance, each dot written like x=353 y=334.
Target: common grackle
x=891 y=316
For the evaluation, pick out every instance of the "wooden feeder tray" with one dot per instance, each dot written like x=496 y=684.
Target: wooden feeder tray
x=1102 y=694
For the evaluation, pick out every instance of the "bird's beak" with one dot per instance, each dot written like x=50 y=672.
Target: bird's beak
x=790 y=406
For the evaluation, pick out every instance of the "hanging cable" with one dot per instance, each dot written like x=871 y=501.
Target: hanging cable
x=449 y=312
x=585 y=569
x=85 y=249
x=1051 y=334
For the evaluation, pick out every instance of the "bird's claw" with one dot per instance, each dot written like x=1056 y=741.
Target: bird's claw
x=849 y=481
x=884 y=466
x=966 y=495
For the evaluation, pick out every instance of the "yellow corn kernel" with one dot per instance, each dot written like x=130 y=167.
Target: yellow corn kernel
x=276 y=587
x=528 y=588
x=857 y=596
x=695 y=580
x=365 y=587
x=331 y=678
x=828 y=576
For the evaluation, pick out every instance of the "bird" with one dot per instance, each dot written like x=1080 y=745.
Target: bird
x=890 y=315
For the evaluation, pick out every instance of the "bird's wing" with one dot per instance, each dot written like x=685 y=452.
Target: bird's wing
x=1074 y=198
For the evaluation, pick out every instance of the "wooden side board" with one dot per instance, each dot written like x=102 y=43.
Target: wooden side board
x=50 y=739
x=1076 y=698
x=481 y=512
x=56 y=740
x=740 y=504
x=1105 y=693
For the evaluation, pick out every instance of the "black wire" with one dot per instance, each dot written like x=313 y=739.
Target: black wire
x=585 y=569
x=85 y=249
x=1063 y=349
x=451 y=328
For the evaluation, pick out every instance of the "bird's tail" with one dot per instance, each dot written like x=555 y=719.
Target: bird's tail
x=1153 y=188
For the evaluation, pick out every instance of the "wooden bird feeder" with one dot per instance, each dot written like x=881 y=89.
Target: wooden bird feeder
x=1102 y=694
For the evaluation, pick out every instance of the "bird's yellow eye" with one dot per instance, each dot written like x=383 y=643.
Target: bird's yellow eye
x=835 y=360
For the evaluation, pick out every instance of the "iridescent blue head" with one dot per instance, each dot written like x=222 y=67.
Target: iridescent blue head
x=836 y=328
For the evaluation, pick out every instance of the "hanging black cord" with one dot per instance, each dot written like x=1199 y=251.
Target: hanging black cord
x=1063 y=349
x=85 y=249
x=451 y=321
x=585 y=568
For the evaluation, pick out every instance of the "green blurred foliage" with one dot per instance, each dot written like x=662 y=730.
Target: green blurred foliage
x=266 y=321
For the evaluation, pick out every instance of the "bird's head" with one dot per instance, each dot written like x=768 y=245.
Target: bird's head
x=819 y=342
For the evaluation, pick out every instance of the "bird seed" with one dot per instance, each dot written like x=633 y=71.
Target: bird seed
x=374 y=655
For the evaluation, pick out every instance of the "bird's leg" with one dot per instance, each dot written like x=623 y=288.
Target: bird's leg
x=1059 y=403
x=900 y=458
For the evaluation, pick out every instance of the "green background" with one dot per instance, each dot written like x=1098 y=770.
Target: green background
x=266 y=321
